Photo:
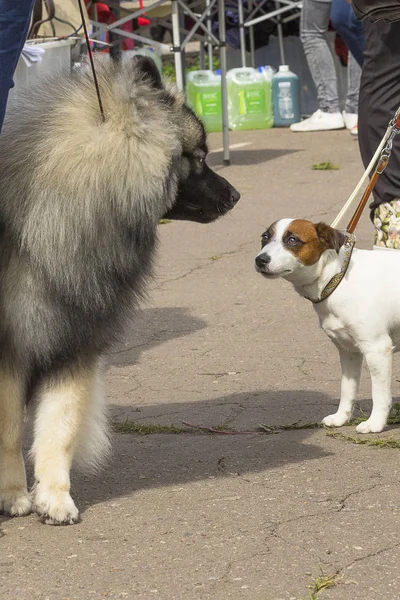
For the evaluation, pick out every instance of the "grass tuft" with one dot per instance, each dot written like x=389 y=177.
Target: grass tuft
x=297 y=425
x=319 y=584
x=325 y=166
x=145 y=428
x=376 y=442
x=216 y=257
x=164 y=221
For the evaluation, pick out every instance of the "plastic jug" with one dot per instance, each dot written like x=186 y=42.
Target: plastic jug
x=249 y=99
x=267 y=71
x=203 y=89
x=285 y=97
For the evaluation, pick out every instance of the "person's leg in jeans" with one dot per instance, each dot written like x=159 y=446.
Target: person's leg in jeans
x=349 y=28
x=351 y=32
x=353 y=85
x=314 y=22
x=379 y=100
x=350 y=113
x=14 y=24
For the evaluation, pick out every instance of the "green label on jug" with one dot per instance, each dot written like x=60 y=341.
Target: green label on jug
x=208 y=103
x=251 y=102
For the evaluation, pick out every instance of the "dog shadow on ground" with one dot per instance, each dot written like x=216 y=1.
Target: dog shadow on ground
x=247 y=156
x=165 y=459
x=152 y=327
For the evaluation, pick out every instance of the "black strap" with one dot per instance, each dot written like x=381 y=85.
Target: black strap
x=91 y=61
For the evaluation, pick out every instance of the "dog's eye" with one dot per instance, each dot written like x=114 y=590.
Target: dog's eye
x=264 y=239
x=292 y=241
x=201 y=161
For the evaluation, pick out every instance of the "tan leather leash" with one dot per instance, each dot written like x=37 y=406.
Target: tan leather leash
x=392 y=130
x=386 y=145
x=394 y=127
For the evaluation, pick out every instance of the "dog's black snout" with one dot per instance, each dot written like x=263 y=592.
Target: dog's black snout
x=235 y=196
x=262 y=260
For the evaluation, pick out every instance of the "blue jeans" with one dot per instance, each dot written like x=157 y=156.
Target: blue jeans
x=314 y=23
x=349 y=28
x=14 y=23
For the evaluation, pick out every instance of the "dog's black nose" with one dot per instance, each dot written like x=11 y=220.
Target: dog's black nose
x=235 y=196
x=262 y=260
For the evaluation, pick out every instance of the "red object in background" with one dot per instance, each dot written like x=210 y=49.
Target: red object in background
x=104 y=15
x=142 y=22
x=341 y=50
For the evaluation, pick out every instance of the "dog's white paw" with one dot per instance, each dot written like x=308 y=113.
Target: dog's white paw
x=335 y=420
x=56 y=507
x=15 y=503
x=370 y=426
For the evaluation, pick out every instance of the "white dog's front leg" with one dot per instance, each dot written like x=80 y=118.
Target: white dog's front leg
x=60 y=419
x=380 y=367
x=351 y=363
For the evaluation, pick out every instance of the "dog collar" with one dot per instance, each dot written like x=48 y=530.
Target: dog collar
x=336 y=279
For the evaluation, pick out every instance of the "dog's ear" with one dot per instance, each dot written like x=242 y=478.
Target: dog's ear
x=147 y=66
x=329 y=237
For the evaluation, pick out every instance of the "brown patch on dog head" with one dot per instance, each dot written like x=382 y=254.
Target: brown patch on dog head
x=331 y=238
x=307 y=241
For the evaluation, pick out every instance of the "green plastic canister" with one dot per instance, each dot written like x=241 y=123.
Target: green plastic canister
x=249 y=99
x=203 y=89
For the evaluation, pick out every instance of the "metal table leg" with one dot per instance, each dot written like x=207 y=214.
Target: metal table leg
x=115 y=39
x=176 y=41
x=241 y=33
x=280 y=35
x=209 y=45
x=224 y=91
x=252 y=49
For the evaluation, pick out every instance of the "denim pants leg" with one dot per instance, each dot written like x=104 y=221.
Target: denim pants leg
x=314 y=22
x=349 y=28
x=353 y=85
x=14 y=24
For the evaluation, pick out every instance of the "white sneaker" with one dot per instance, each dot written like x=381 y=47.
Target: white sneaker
x=350 y=119
x=320 y=121
x=354 y=131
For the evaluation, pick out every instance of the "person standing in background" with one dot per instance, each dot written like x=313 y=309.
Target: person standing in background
x=14 y=23
x=314 y=23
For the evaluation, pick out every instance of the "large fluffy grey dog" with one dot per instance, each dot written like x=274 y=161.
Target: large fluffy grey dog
x=80 y=201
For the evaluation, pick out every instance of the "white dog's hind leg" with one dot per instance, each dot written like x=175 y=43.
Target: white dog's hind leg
x=60 y=421
x=14 y=498
x=351 y=363
x=379 y=361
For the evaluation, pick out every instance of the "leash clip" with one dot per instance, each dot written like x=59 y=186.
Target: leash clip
x=387 y=150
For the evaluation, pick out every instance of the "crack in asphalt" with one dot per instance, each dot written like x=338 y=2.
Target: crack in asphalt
x=344 y=500
x=203 y=266
x=372 y=554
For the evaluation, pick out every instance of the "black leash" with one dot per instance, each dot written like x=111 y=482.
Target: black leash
x=91 y=61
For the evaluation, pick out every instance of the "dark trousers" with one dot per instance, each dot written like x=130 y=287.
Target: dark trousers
x=14 y=24
x=378 y=101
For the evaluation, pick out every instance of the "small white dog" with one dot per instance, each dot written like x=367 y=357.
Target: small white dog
x=362 y=315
